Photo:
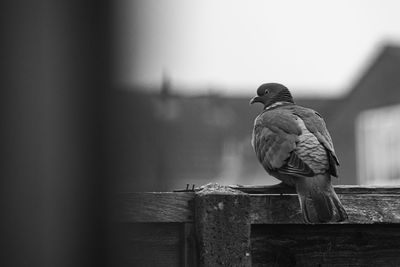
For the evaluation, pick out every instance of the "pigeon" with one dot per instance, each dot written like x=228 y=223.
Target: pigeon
x=293 y=145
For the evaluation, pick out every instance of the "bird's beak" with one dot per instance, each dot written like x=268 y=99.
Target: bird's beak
x=255 y=100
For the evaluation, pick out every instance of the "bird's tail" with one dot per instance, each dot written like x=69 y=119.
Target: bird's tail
x=318 y=200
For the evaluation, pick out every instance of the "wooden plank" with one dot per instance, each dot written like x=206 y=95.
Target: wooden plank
x=148 y=244
x=325 y=245
x=339 y=189
x=361 y=208
x=380 y=205
x=154 y=207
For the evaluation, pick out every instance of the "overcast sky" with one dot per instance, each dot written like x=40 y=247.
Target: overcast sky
x=230 y=46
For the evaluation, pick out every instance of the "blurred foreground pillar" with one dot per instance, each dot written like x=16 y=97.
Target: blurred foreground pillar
x=55 y=75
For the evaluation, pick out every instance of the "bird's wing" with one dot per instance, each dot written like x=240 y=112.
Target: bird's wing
x=316 y=125
x=275 y=138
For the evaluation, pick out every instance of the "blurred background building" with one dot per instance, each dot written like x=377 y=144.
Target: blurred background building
x=202 y=139
x=185 y=72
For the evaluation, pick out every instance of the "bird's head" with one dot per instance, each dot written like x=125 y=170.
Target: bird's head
x=270 y=93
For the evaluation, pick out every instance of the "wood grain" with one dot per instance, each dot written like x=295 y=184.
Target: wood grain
x=154 y=207
x=153 y=244
x=149 y=244
x=325 y=245
x=361 y=208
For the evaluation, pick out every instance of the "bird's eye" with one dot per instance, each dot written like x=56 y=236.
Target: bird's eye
x=266 y=92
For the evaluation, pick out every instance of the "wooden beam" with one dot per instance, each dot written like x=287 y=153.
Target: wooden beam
x=361 y=208
x=365 y=205
x=153 y=207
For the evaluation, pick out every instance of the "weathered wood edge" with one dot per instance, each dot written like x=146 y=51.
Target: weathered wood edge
x=380 y=205
x=339 y=189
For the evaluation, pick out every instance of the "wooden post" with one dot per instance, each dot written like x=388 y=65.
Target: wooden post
x=222 y=221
